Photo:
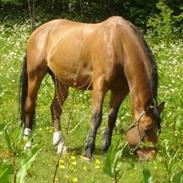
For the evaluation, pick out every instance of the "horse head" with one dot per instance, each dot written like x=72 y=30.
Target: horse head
x=142 y=135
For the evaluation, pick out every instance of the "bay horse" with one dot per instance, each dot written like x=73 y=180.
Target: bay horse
x=111 y=55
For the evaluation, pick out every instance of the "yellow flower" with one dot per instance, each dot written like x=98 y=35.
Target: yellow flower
x=73 y=157
x=97 y=166
x=75 y=179
x=97 y=161
x=74 y=163
x=62 y=166
x=67 y=177
x=56 y=179
x=61 y=161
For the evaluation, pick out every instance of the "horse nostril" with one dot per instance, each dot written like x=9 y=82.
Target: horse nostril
x=147 y=131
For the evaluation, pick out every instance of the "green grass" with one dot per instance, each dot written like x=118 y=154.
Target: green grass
x=77 y=109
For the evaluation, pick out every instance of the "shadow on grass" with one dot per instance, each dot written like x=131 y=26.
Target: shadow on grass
x=80 y=151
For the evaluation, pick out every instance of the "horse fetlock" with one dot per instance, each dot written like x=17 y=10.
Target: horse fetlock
x=27 y=132
x=57 y=138
x=88 y=153
x=106 y=146
x=26 y=138
x=90 y=143
x=28 y=145
x=107 y=141
x=59 y=142
x=90 y=146
x=61 y=148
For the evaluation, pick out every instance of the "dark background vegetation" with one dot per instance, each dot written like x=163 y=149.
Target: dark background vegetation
x=137 y=11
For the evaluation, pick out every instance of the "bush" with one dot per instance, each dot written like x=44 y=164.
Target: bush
x=161 y=26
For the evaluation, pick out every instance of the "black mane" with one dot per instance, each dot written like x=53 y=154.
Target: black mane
x=151 y=62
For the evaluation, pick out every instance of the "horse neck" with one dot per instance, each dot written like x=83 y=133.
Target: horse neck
x=140 y=98
x=140 y=71
x=140 y=86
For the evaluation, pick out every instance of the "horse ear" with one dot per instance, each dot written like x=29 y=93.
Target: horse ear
x=161 y=107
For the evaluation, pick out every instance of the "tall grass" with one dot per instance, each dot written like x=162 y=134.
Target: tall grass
x=167 y=167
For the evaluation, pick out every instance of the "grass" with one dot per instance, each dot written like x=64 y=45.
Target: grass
x=77 y=109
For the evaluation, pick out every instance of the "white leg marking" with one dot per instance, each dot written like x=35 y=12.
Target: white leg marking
x=57 y=137
x=59 y=142
x=27 y=133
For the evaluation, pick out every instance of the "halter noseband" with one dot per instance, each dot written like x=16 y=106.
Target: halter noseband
x=136 y=124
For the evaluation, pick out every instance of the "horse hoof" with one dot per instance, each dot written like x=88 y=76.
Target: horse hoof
x=88 y=158
x=62 y=149
x=28 y=145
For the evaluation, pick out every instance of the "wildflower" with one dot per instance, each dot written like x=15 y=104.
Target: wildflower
x=56 y=179
x=50 y=131
x=75 y=179
x=61 y=161
x=97 y=166
x=62 y=166
x=67 y=177
x=74 y=163
x=97 y=162
x=6 y=154
x=73 y=157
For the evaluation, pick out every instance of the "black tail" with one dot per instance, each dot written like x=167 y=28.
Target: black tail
x=23 y=89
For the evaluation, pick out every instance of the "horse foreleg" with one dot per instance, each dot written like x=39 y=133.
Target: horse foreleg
x=98 y=94
x=61 y=93
x=115 y=101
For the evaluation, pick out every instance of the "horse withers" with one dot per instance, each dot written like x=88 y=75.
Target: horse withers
x=111 y=55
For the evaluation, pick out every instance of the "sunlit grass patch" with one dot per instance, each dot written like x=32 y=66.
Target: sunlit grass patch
x=76 y=116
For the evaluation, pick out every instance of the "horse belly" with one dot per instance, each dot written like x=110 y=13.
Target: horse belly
x=74 y=74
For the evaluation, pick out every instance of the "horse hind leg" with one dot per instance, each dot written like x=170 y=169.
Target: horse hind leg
x=31 y=80
x=61 y=93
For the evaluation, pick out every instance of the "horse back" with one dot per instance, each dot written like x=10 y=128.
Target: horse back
x=80 y=53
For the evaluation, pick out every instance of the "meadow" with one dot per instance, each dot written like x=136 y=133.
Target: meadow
x=166 y=167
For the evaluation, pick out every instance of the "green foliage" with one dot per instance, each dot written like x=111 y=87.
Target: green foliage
x=20 y=161
x=137 y=11
x=147 y=176
x=26 y=162
x=178 y=177
x=6 y=171
x=162 y=25
x=113 y=162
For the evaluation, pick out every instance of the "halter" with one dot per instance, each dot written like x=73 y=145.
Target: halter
x=136 y=125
